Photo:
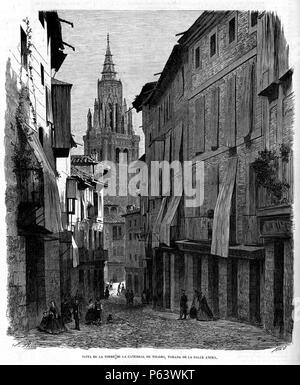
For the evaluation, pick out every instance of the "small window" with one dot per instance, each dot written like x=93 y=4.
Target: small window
x=213 y=45
x=71 y=206
x=115 y=232
x=253 y=19
x=232 y=30
x=197 y=57
x=41 y=136
x=42 y=75
x=24 y=50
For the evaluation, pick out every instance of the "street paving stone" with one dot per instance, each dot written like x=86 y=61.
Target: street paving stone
x=142 y=327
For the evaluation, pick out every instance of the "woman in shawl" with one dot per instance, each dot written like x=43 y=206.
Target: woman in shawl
x=195 y=305
x=204 y=313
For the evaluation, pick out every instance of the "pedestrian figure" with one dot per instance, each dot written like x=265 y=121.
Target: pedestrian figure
x=144 y=298
x=195 y=305
x=131 y=297
x=123 y=288
x=106 y=294
x=76 y=314
x=90 y=316
x=154 y=299
x=66 y=312
x=183 y=305
x=204 y=313
x=119 y=289
x=98 y=311
x=109 y=319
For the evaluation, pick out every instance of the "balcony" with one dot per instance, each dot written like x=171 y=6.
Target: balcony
x=31 y=186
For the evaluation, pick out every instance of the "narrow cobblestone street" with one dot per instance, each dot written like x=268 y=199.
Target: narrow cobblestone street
x=141 y=327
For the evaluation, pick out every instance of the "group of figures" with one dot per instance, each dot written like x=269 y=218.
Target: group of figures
x=94 y=312
x=199 y=309
x=54 y=323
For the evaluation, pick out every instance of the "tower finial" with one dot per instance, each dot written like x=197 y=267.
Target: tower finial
x=108 y=72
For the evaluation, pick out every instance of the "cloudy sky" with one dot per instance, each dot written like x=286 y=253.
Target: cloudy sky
x=141 y=42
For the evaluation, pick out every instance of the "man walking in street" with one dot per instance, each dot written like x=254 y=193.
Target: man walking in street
x=76 y=314
x=183 y=305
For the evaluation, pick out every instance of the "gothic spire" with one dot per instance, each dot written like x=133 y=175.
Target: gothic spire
x=108 y=72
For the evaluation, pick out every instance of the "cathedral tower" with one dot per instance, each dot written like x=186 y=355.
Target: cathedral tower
x=110 y=133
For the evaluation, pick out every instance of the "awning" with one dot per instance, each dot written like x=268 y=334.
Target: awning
x=75 y=253
x=157 y=222
x=168 y=219
x=221 y=224
x=51 y=195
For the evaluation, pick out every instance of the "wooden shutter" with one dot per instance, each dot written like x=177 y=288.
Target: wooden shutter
x=230 y=129
x=199 y=131
x=212 y=186
x=213 y=134
x=245 y=110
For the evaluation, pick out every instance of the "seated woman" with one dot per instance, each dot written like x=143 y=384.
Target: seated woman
x=204 y=313
x=52 y=322
x=90 y=316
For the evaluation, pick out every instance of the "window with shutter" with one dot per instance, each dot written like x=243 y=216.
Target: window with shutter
x=24 y=51
x=213 y=139
x=213 y=45
x=199 y=129
x=230 y=113
x=245 y=102
x=197 y=57
x=232 y=30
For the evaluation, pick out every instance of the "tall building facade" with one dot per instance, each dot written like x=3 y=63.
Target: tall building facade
x=38 y=141
x=109 y=135
x=225 y=98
